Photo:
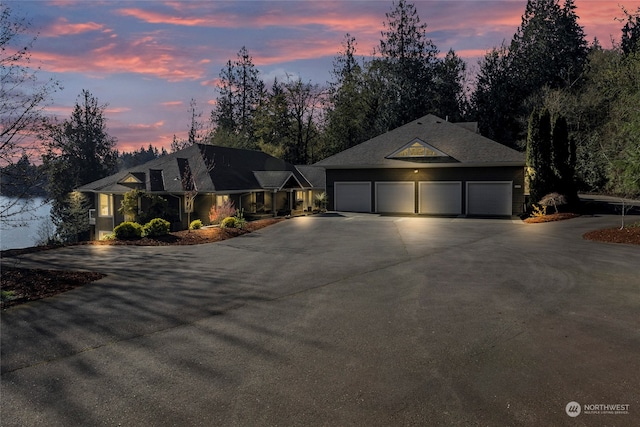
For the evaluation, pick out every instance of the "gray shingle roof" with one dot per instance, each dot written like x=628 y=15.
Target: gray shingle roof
x=463 y=146
x=273 y=179
x=232 y=170
x=315 y=175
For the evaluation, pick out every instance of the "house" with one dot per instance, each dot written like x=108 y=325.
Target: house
x=428 y=166
x=201 y=176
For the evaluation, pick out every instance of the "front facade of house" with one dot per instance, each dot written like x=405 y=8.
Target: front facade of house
x=200 y=177
x=428 y=166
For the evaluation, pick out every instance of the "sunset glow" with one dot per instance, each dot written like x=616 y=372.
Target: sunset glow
x=147 y=60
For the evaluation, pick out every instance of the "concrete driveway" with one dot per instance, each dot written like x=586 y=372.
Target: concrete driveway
x=336 y=320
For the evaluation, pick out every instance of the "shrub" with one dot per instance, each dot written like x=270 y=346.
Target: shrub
x=157 y=227
x=128 y=230
x=196 y=224
x=218 y=213
x=321 y=200
x=240 y=221
x=538 y=211
x=229 y=222
x=553 y=199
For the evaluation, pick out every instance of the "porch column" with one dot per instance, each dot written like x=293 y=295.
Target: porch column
x=273 y=203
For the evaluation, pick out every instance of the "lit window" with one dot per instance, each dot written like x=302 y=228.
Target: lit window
x=221 y=199
x=105 y=202
x=417 y=148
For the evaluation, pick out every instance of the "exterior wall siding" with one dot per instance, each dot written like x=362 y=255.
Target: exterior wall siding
x=511 y=173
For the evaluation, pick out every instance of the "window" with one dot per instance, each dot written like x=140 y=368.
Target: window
x=105 y=205
x=417 y=149
x=130 y=180
x=221 y=199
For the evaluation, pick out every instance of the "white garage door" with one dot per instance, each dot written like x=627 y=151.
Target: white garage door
x=395 y=197
x=489 y=198
x=440 y=197
x=352 y=196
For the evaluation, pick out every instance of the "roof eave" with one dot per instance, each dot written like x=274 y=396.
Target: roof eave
x=428 y=165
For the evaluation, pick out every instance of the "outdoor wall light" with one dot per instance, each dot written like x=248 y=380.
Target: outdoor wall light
x=415 y=171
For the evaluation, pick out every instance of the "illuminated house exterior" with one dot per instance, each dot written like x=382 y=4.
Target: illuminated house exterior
x=428 y=166
x=201 y=176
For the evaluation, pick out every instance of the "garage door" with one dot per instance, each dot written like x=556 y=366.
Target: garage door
x=489 y=198
x=395 y=197
x=352 y=196
x=440 y=197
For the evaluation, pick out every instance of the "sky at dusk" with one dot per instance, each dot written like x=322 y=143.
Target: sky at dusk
x=148 y=59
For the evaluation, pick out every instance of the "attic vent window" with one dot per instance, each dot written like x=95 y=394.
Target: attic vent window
x=416 y=149
x=130 y=180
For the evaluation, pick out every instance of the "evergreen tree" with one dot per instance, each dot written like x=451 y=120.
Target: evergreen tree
x=539 y=170
x=128 y=160
x=563 y=160
x=549 y=35
x=287 y=122
x=449 y=99
x=196 y=127
x=408 y=61
x=493 y=102
x=345 y=115
x=630 y=41
x=547 y=51
x=241 y=92
x=273 y=122
x=79 y=151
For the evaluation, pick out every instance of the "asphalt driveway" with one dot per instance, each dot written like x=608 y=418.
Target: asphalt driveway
x=336 y=320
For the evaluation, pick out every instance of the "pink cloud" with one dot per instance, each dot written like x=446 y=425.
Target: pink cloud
x=154 y=17
x=62 y=27
x=311 y=14
x=142 y=56
x=117 y=110
x=172 y=103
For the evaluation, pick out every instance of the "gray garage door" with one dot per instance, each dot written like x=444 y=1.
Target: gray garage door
x=395 y=197
x=489 y=198
x=440 y=197
x=352 y=196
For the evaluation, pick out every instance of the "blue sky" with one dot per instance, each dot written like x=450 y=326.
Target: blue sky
x=147 y=59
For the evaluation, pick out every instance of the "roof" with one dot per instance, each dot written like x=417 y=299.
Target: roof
x=214 y=169
x=315 y=175
x=276 y=180
x=457 y=146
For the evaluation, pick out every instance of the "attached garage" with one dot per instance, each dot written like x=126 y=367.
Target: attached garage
x=428 y=166
x=395 y=197
x=489 y=198
x=352 y=196
x=440 y=197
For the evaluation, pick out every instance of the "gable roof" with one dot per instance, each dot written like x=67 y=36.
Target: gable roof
x=461 y=146
x=231 y=170
x=315 y=175
x=276 y=180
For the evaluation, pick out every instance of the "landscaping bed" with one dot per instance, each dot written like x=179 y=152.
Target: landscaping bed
x=616 y=235
x=550 y=218
x=20 y=285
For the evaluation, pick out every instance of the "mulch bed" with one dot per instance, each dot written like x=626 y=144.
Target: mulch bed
x=629 y=235
x=615 y=235
x=23 y=285
x=20 y=285
x=550 y=218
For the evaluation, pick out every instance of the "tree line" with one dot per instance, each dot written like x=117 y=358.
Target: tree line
x=547 y=76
